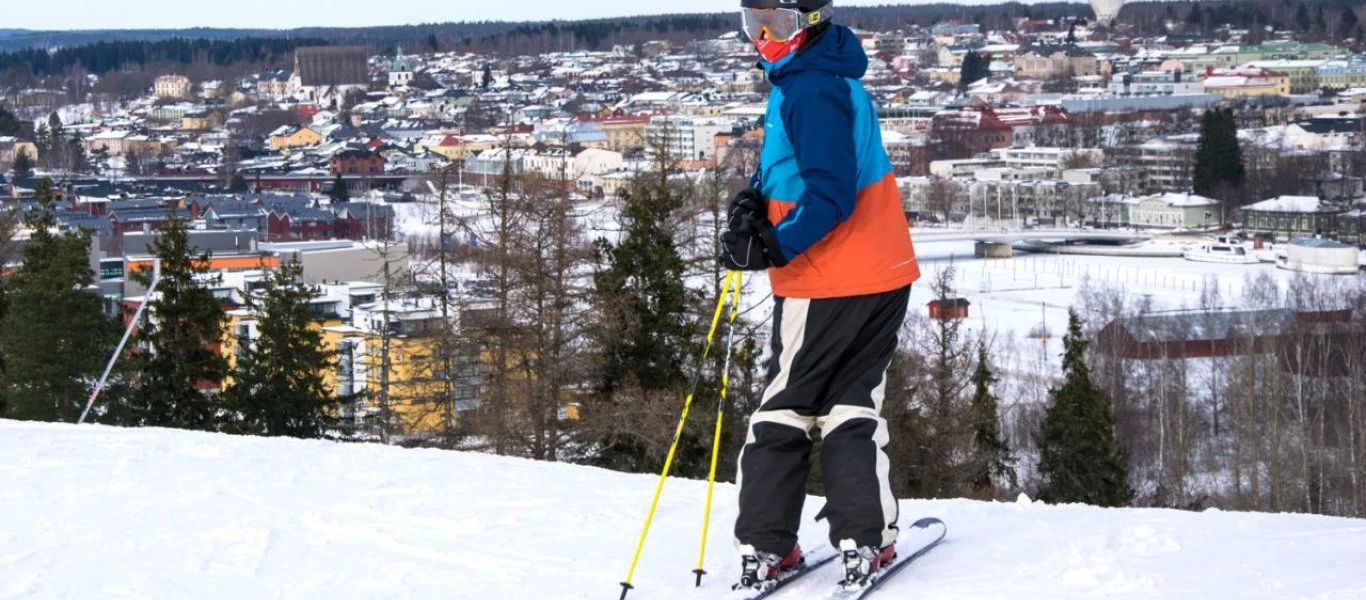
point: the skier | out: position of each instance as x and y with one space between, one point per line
823 215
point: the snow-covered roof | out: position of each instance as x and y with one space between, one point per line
1177 200
1295 204
1318 243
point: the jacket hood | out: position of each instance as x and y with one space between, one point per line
838 52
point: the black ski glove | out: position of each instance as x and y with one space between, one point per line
746 202
750 245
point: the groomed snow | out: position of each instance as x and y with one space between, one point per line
97 512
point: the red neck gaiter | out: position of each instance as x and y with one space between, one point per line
775 51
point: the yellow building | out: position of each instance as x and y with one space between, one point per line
1245 83
1304 74
413 388
624 132
10 148
415 385
458 148
422 394
201 121
172 86
1068 62
293 136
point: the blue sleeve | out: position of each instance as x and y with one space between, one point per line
819 120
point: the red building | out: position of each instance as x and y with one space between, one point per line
356 162
953 309
975 129
1212 334
301 225
354 222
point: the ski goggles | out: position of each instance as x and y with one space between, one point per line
780 24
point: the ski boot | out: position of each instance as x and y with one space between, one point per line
761 570
861 563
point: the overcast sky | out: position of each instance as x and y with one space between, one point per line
285 14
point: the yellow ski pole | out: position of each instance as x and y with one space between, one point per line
716 439
626 586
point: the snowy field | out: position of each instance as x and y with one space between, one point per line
1011 297
95 512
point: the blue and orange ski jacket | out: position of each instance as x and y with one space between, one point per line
833 198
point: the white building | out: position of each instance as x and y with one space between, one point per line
962 167
555 162
400 70
1055 158
687 138
1168 162
1155 83
1172 211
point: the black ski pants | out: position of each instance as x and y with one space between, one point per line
828 370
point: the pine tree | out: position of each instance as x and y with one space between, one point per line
100 159
238 184
80 160
644 334
1196 17
132 164
178 357
1302 22
23 165
1347 23
339 194
1080 460
1219 168
278 387
976 67
9 126
993 461
54 330
487 79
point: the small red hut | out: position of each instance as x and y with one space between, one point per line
949 310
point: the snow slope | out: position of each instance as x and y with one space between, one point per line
97 512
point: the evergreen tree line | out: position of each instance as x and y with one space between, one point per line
101 58
1319 20
104 52
56 337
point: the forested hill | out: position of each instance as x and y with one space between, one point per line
592 34
1140 18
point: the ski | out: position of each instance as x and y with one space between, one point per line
811 561
900 563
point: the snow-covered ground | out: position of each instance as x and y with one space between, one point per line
97 512
1013 296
